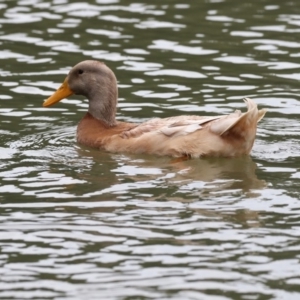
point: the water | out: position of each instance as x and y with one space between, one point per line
78 223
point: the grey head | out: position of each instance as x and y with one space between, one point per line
94 80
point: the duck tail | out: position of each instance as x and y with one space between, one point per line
240 125
261 114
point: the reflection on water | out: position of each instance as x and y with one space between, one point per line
77 222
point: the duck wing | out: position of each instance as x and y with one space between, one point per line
236 123
171 127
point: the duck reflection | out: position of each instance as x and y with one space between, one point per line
212 188
185 178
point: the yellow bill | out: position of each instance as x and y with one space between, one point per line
62 92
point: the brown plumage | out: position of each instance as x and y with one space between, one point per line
192 136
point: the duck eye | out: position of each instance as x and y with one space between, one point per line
80 71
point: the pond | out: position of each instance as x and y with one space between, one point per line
79 223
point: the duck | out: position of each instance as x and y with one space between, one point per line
189 136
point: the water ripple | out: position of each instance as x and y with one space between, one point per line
81 223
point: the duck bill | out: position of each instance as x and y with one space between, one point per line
62 92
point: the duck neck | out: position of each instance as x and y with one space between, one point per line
103 103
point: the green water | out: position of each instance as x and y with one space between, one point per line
78 223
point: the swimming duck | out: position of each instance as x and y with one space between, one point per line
179 136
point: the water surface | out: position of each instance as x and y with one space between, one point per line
78 223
